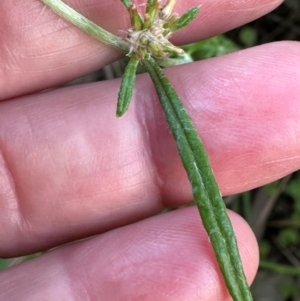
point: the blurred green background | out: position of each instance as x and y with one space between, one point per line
273 211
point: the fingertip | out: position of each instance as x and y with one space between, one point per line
166 257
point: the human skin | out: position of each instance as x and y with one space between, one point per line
70 169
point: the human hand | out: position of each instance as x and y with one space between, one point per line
70 169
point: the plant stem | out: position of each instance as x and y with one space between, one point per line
279 268
205 189
86 25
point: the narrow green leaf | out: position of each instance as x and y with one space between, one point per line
127 3
205 189
127 84
186 18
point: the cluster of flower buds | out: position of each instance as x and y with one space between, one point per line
148 35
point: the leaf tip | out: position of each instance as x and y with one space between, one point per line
120 113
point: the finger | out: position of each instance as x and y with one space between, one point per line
71 169
166 257
39 49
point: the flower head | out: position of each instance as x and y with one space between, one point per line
148 35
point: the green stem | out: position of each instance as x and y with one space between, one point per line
86 25
280 268
205 189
